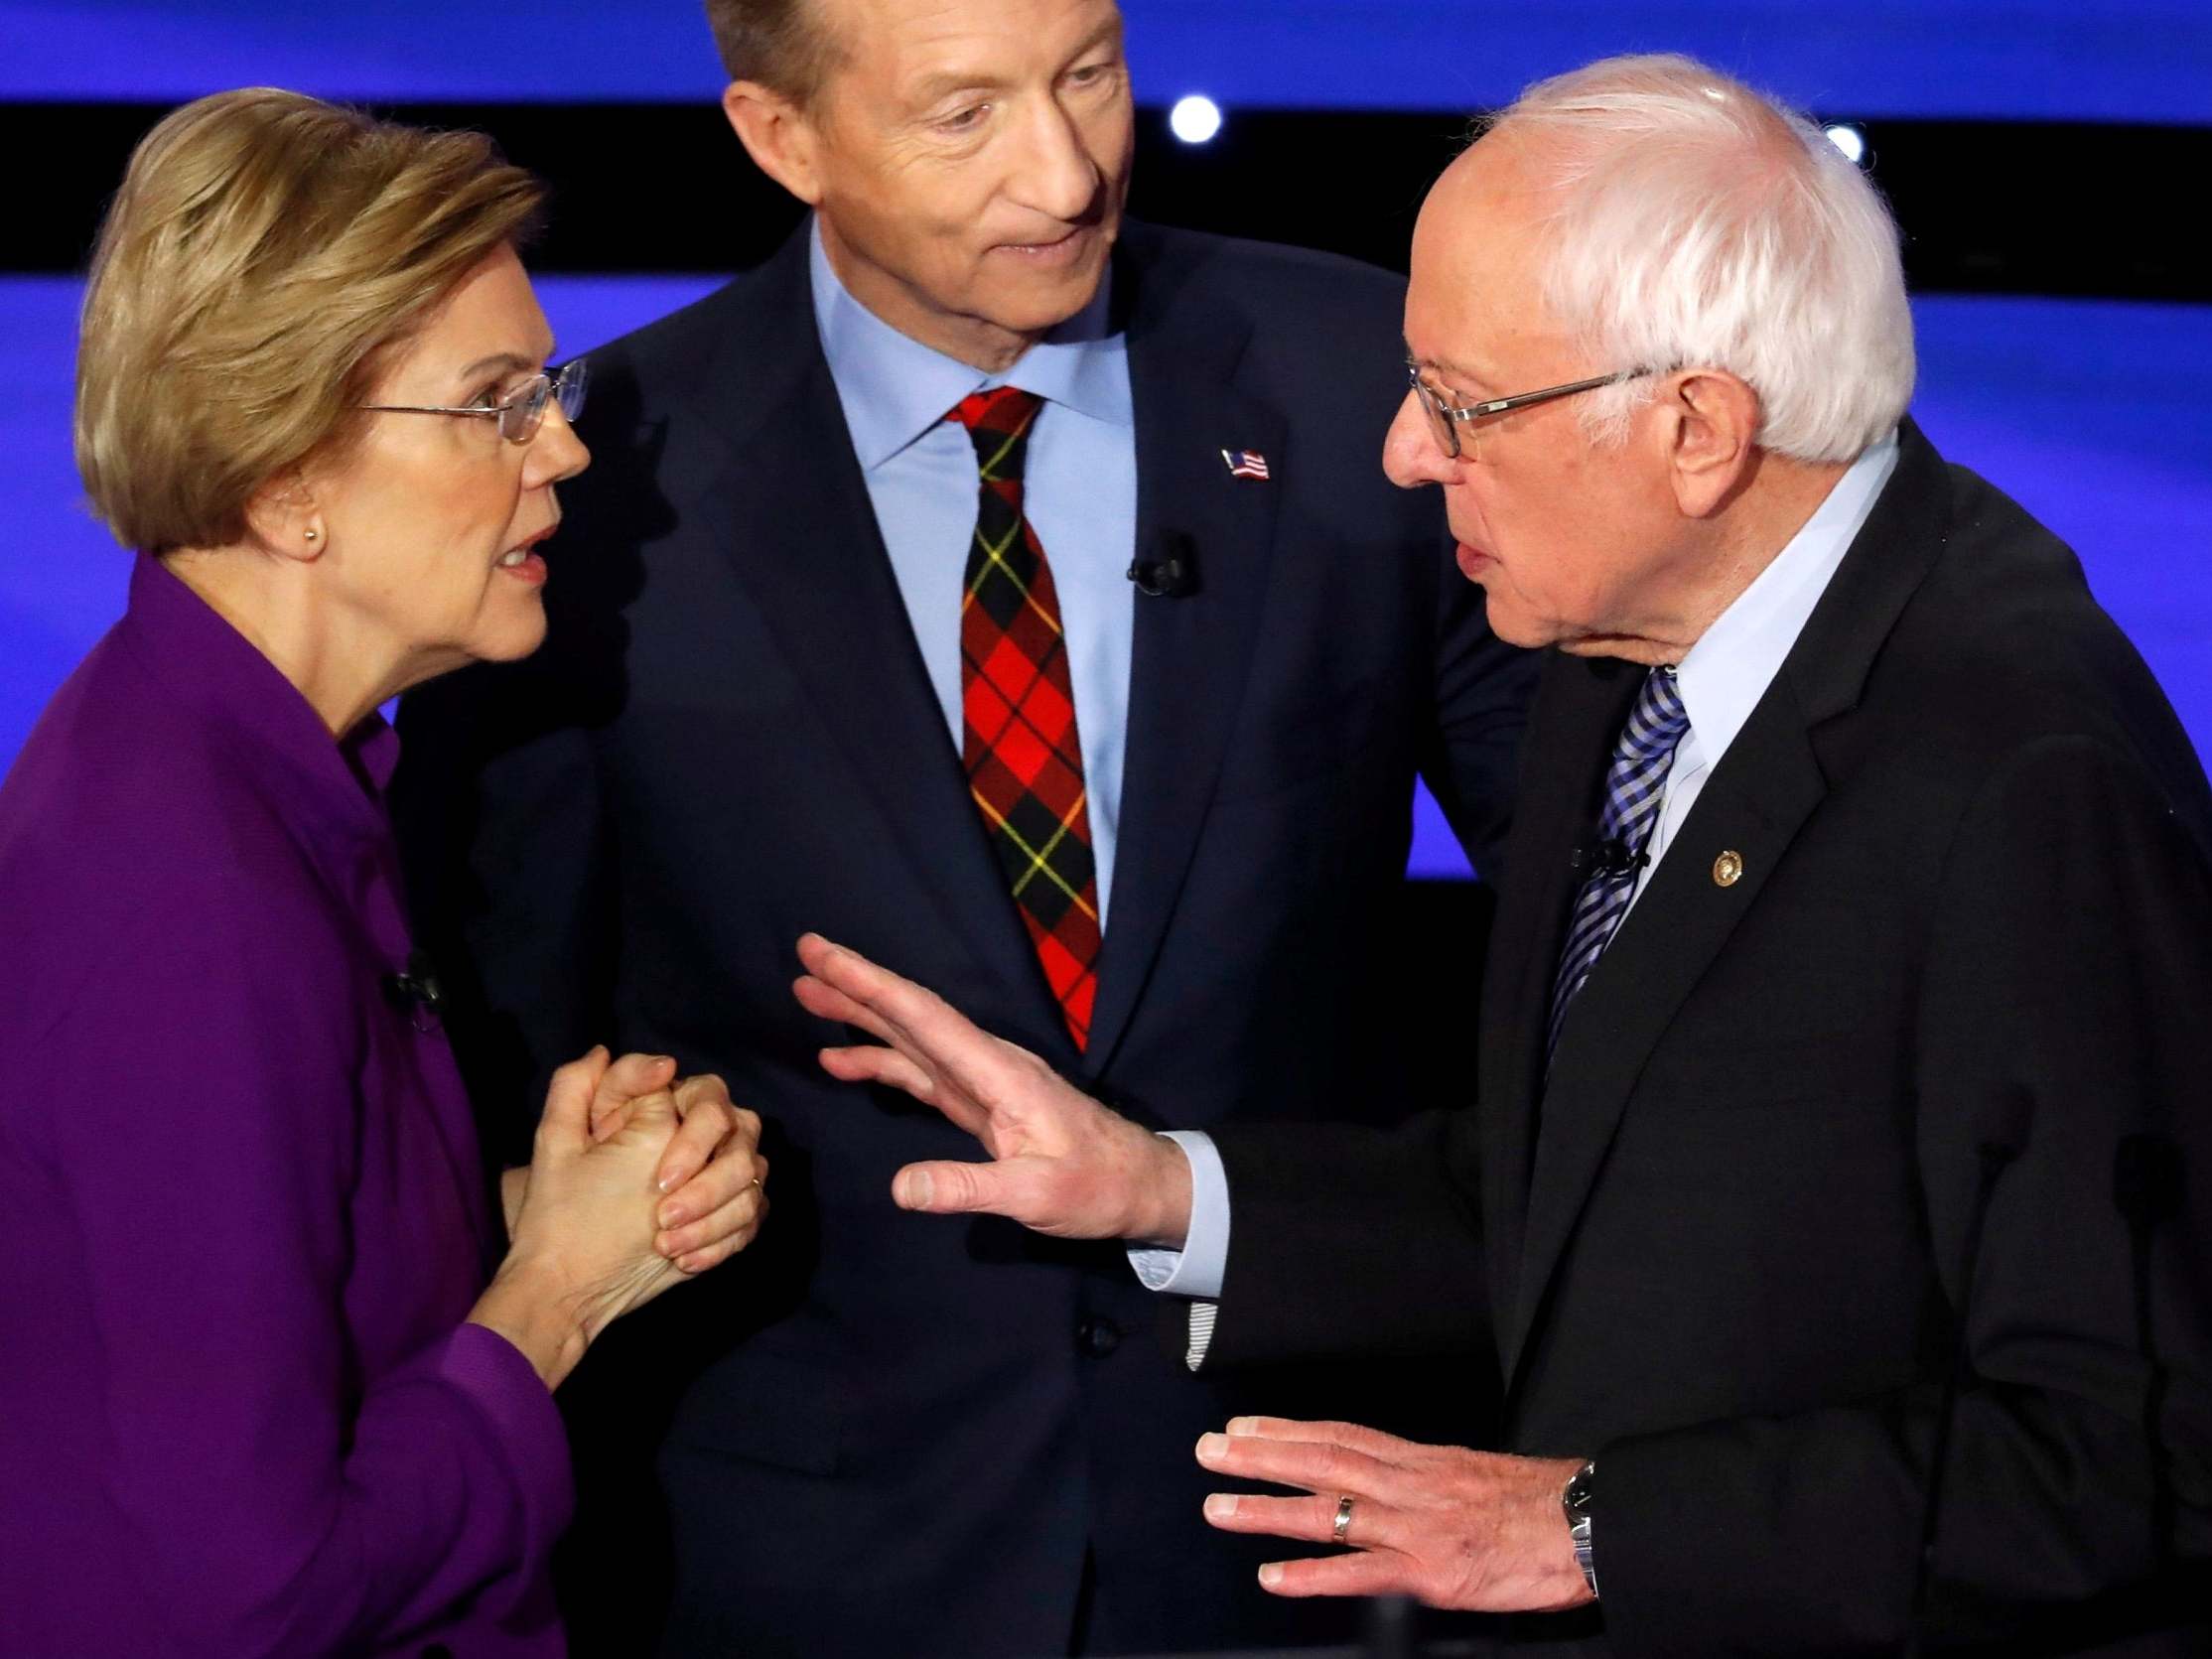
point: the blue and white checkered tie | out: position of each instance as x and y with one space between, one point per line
1634 783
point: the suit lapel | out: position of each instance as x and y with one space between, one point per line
782 496
1191 654
1754 805
1579 708
1756 802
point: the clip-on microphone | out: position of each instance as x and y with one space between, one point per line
1610 857
414 991
1172 573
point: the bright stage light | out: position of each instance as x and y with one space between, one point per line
1194 119
1850 140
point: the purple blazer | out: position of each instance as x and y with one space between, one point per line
241 1212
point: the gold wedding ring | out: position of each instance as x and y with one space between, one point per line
1343 1519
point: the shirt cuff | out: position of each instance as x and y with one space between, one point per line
1195 1270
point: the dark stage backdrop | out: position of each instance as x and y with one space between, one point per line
2043 159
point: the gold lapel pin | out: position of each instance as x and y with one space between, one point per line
1728 869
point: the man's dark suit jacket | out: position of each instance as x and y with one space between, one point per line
1722 1246
899 1434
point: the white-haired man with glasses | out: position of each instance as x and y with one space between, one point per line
1835 1193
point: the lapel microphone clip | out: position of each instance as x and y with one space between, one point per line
1611 856
414 991
1172 573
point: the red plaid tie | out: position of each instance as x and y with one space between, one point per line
1025 763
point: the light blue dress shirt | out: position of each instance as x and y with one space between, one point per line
1721 680
1079 492
1728 669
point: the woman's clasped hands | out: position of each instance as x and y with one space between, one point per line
636 1181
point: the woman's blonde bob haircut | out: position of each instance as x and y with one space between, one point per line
264 254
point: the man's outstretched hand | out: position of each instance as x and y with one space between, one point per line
1060 1162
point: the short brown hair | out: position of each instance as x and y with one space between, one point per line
264 253
784 45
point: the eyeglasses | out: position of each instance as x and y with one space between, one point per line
1445 419
522 410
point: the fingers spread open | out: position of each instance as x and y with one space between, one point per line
877 993
998 1080
908 1015
863 1062
828 1002
899 1064
866 1064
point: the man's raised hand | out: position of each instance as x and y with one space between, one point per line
1060 1162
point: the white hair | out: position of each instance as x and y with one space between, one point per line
1695 223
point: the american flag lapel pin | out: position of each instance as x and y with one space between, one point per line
1245 464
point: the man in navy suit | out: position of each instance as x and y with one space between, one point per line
1010 589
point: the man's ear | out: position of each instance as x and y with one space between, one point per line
1713 439
287 520
779 136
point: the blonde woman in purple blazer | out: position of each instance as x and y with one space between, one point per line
256 1395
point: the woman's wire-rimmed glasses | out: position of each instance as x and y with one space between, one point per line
522 412
1445 419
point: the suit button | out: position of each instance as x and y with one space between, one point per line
1097 1337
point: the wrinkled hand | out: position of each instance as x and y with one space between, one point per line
1062 1163
615 1085
588 1243
586 1219
713 1173
1472 1530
